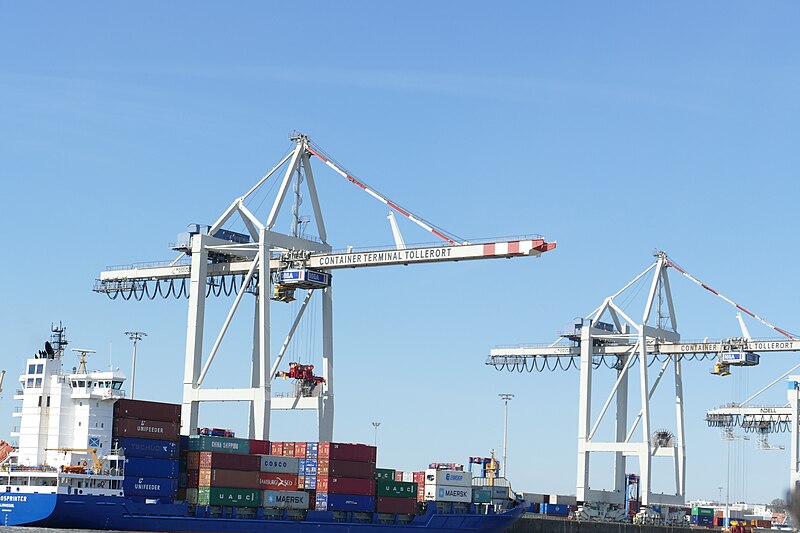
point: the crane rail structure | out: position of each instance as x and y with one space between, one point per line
611 338
272 266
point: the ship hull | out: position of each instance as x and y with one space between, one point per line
115 513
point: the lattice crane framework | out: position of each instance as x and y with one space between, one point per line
222 261
610 336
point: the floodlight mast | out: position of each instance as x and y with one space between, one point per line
261 265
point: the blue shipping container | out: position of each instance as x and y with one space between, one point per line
301 467
158 449
142 466
311 482
350 502
554 509
150 487
312 449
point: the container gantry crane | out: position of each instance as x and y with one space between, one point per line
609 337
222 261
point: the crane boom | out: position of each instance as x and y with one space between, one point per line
530 246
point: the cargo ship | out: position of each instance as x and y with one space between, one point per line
87 457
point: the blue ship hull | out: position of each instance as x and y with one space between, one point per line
101 512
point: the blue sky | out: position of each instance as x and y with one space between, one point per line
615 129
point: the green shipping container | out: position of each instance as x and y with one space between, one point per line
481 495
202 443
397 489
386 474
702 511
228 497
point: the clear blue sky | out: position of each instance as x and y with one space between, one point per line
615 129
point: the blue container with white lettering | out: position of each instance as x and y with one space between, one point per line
310 467
150 487
554 509
311 482
312 450
351 502
157 449
301 467
142 466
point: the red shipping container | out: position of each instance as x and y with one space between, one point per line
145 429
192 478
398 476
164 412
270 481
389 504
347 452
346 485
288 449
230 479
192 460
229 461
299 450
338 468
301 482
419 478
276 448
259 447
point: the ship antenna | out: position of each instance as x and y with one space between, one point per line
82 364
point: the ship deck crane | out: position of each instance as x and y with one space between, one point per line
214 261
97 463
609 337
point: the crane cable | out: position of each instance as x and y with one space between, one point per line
786 334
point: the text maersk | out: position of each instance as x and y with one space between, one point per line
452 493
385 257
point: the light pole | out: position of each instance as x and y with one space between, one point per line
375 425
505 397
135 336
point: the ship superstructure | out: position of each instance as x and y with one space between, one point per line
64 431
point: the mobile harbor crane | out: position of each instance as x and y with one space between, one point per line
272 266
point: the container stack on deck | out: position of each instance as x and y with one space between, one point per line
148 432
444 485
702 516
345 477
396 492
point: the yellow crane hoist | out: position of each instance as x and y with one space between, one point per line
97 463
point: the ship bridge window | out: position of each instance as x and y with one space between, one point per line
81 384
101 384
29 382
38 382
31 369
116 385
88 383
39 369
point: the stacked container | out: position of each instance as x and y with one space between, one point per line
702 516
391 496
448 486
345 478
148 432
221 471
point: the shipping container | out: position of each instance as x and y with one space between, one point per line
192 460
310 482
312 450
481 494
301 466
259 447
228 461
191 495
702 511
278 464
341 468
565 500
228 497
386 474
143 466
157 449
276 481
281 499
398 489
448 493
452 478
398 476
192 478
149 487
165 412
408 477
554 509
288 449
202 443
276 448
344 502
300 450
145 429
347 452
346 485
388 504
418 478
231 479
310 467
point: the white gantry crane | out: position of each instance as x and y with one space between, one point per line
609 337
272 266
